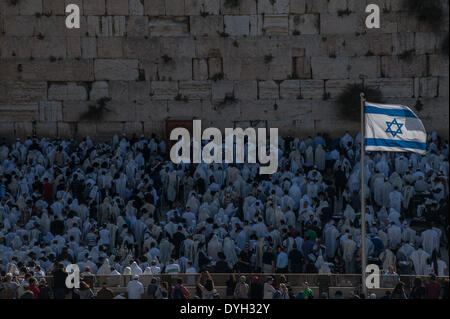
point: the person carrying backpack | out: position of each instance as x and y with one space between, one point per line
178 291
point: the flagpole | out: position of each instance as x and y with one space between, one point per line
363 198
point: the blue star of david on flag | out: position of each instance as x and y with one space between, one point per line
394 132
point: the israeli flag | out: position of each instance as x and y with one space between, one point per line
393 128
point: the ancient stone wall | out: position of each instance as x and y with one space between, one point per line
279 63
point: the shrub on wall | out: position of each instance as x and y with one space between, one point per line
96 112
349 100
427 11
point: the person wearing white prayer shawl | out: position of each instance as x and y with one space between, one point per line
165 248
430 241
331 235
214 247
394 217
419 259
408 234
349 249
388 259
395 200
309 156
319 158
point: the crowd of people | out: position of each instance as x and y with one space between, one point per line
122 207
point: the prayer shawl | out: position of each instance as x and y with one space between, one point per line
419 259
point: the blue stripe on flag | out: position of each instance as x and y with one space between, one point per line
395 143
390 112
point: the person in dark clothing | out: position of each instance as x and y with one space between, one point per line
256 290
399 291
203 259
57 227
44 289
244 260
433 288
418 291
59 282
222 266
177 239
268 260
295 259
105 292
340 180
152 288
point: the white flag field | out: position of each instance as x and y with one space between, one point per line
393 128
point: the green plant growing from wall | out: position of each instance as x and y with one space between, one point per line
406 55
40 36
180 97
231 3
342 12
419 105
97 111
166 59
349 101
13 2
427 11
268 58
217 77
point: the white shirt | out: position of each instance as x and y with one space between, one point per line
135 289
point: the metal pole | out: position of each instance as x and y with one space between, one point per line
363 199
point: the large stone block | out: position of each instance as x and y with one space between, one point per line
53 6
246 90
117 7
116 69
329 68
47 129
311 89
94 7
222 89
304 24
136 7
30 7
138 90
364 67
276 24
136 47
22 91
273 7
183 109
118 90
297 6
199 69
268 90
154 7
302 67
20 26
73 47
438 65
64 70
137 26
214 67
50 111
248 7
99 89
174 7
335 87
88 47
290 89
206 26
314 6
237 25
195 90
429 87
109 47
393 88
67 92
176 69
163 90
396 67
177 26
334 24
402 42
10 112
151 110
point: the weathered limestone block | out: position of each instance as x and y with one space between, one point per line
178 47
364 67
54 26
402 42
120 111
220 113
93 26
19 26
16 47
276 24
196 90
429 87
335 87
136 7
206 26
73 47
229 7
381 44
329 68
280 68
116 69
183 109
177 69
23 129
304 24
335 5
314 6
443 86
54 6
237 25
64 70
246 90
30 7
177 26
10 112
67 92
147 110
311 89
174 7
214 66
150 68
109 47
297 6
94 7
22 91
137 26
7 9
89 47
395 67
438 65
99 89
427 43
248 7
268 90
138 90
273 7
193 7
137 47
393 88
221 89
118 90
154 7
48 129
199 69
50 111
163 90
256 25
290 89
106 130
117 7
333 24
